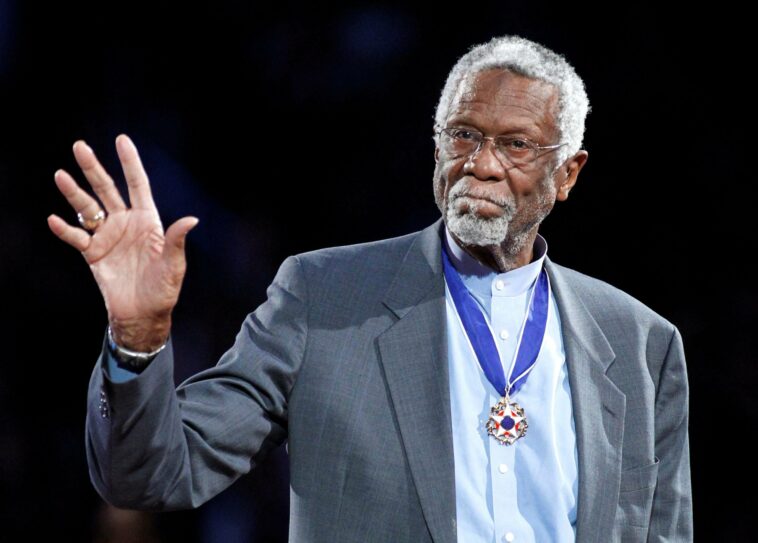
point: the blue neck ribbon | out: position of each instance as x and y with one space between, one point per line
480 334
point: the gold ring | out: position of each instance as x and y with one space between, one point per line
91 224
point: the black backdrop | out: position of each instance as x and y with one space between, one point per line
303 126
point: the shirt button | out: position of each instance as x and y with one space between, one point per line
499 284
502 468
508 537
504 334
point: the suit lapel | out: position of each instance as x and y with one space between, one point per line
599 408
413 353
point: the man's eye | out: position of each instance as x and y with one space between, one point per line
465 135
515 144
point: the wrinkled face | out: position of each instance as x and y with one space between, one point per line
484 201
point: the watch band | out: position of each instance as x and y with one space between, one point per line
132 360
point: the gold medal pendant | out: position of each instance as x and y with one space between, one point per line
507 421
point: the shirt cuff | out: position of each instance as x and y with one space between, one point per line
116 373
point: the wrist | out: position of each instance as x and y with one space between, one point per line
140 335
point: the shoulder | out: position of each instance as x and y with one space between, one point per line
347 273
639 336
357 256
611 306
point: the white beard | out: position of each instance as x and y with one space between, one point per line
471 228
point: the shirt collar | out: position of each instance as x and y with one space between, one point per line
485 281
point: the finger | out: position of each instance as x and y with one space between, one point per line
76 237
98 178
136 179
176 236
80 200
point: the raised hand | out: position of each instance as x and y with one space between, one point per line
138 268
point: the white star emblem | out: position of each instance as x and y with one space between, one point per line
507 422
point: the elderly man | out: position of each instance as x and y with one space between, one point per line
453 384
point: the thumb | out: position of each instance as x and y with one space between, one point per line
176 236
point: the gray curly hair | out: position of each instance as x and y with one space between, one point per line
528 59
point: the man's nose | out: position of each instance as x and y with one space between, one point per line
484 163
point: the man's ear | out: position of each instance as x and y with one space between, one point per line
568 173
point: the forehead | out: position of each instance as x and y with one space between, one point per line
501 101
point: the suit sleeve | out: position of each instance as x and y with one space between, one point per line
671 519
152 447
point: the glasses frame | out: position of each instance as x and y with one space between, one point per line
534 147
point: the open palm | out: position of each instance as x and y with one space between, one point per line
138 268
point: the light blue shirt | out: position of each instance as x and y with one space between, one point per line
525 492
116 373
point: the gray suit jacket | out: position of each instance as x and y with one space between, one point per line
347 360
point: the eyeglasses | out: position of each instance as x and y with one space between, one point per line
458 142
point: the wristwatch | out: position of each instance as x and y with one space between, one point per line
131 360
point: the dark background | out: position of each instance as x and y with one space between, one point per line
302 126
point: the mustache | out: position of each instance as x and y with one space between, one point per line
502 202
462 190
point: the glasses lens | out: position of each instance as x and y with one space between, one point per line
516 151
459 142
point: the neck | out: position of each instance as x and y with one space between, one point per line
504 257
